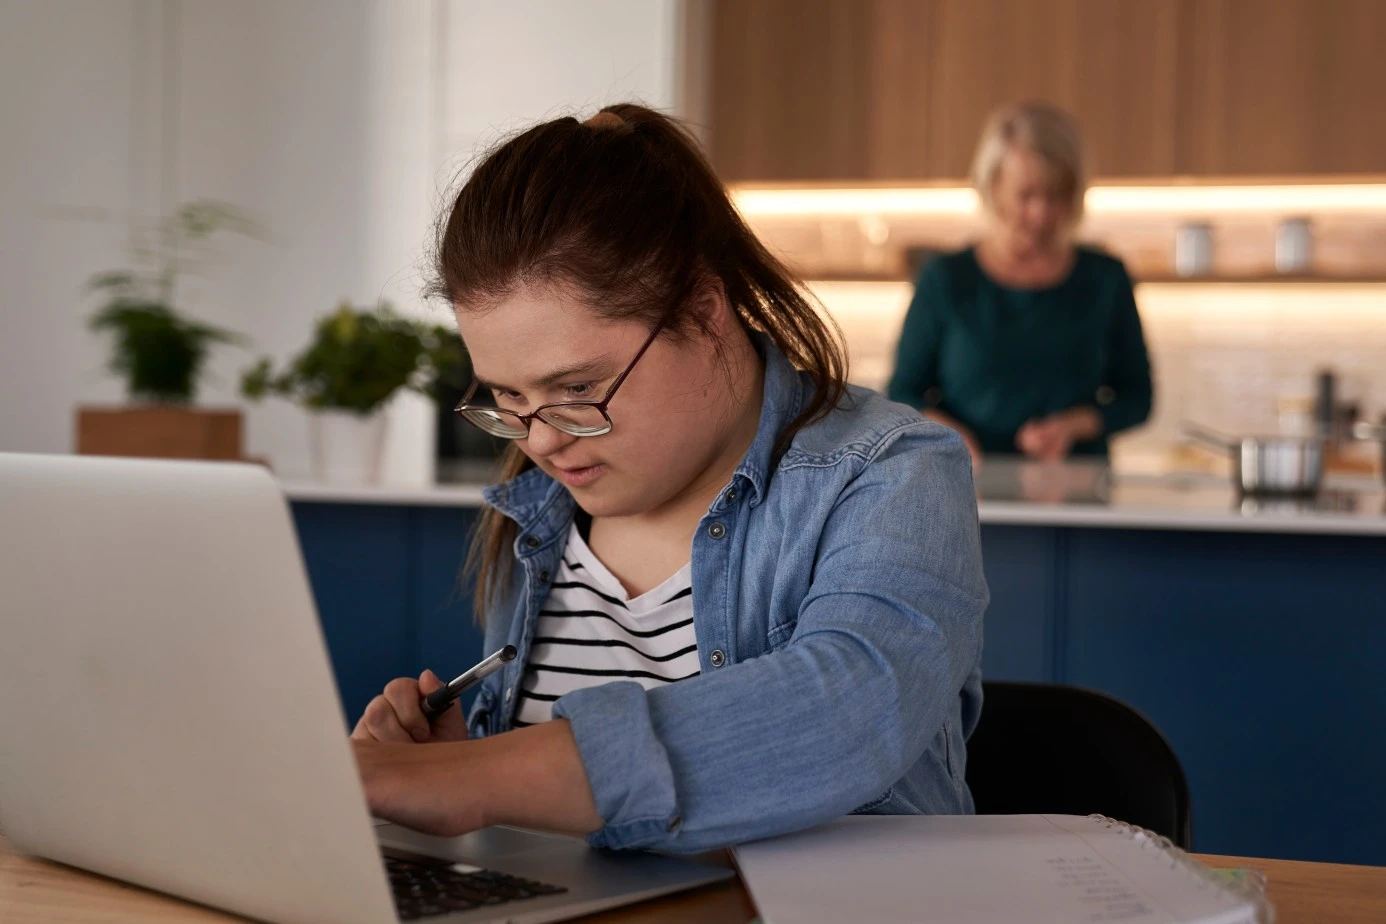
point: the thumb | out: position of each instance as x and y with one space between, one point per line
450 724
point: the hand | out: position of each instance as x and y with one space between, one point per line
431 789
1051 438
397 716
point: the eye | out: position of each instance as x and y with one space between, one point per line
500 395
579 390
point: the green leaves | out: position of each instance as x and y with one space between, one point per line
358 359
157 353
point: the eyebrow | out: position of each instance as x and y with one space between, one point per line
582 368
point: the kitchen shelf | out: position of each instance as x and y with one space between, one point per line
1258 279
1154 279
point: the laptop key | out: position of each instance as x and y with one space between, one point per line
425 889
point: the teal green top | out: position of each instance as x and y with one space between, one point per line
994 357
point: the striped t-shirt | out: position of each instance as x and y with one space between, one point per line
589 632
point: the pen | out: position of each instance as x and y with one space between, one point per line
440 699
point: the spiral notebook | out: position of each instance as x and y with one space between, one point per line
980 869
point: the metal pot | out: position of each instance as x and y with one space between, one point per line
1373 433
1268 465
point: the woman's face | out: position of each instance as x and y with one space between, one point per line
1031 205
544 345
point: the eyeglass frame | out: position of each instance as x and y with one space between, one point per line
528 419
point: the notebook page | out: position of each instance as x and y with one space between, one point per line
976 869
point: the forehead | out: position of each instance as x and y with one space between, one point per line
535 330
1022 166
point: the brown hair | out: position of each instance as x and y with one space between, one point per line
625 208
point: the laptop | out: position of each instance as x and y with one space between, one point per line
168 717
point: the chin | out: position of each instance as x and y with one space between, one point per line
597 503
600 501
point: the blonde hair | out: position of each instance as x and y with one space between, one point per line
1039 127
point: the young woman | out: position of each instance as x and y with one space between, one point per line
747 598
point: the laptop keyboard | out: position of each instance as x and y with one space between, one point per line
424 887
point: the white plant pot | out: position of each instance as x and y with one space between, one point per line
346 448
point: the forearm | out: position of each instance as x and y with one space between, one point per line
534 778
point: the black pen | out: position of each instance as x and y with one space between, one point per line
437 702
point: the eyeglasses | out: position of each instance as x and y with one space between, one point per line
575 418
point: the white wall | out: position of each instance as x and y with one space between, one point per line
511 64
338 124
70 170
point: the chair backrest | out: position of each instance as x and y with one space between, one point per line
1049 748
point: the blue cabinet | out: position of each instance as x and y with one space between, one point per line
388 587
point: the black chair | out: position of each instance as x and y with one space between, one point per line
1049 748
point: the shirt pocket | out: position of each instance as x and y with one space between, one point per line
780 635
479 723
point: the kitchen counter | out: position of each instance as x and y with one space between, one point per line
1070 494
1084 494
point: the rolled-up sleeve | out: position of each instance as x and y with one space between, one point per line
886 637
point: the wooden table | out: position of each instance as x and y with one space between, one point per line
34 891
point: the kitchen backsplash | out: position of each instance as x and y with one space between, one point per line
1222 352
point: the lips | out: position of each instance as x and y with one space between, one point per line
575 476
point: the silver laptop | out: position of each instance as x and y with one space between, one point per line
168 716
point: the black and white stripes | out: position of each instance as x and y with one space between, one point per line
590 633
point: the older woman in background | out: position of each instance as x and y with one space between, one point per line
1025 342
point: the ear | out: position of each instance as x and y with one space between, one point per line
711 307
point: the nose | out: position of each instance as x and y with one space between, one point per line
545 440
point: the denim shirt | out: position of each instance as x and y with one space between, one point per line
837 598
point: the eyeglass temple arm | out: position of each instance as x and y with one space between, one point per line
649 341
471 390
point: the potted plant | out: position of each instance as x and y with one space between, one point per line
159 353
356 362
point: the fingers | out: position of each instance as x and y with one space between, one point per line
396 714
450 724
379 723
403 696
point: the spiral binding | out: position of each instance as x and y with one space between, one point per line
1253 889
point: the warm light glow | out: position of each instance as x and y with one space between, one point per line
926 201
1101 200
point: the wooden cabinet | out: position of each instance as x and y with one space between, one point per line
1110 63
899 89
1283 86
790 91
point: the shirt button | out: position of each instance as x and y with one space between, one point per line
717 659
731 496
717 530
531 542
543 577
